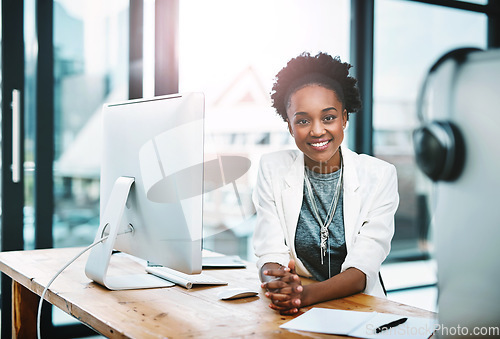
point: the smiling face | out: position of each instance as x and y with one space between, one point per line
316 120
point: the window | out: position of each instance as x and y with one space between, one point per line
90 68
231 50
408 38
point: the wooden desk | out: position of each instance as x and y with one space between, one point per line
173 312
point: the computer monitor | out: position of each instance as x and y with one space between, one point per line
151 187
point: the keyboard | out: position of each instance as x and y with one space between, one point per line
183 279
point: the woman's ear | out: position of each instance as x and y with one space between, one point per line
344 118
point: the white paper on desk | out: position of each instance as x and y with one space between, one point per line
360 324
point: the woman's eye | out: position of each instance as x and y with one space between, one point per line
330 117
301 122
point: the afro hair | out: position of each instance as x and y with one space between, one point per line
304 65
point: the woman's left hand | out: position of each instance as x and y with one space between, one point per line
285 290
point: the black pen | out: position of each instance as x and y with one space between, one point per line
390 325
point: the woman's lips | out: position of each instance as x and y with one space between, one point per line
320 145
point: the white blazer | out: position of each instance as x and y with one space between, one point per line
370 202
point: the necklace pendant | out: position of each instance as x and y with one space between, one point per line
323 245
323 253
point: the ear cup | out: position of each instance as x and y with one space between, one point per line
440 150
439 145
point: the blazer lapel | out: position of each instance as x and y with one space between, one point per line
352 200
291 197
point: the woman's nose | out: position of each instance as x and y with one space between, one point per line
317 129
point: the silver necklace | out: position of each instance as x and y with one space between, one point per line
324 225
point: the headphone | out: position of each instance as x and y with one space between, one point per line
439 145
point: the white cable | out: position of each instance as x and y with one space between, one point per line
38 316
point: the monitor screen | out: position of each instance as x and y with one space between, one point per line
152 184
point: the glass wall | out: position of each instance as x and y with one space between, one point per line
409 37
231 50
90 68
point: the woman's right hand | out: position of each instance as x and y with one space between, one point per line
283 287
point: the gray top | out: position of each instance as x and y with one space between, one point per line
307 236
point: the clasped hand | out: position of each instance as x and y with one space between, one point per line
285 290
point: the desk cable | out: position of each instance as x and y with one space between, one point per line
39 312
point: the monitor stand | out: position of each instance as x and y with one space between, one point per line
100 255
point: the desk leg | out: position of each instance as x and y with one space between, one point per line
24 308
